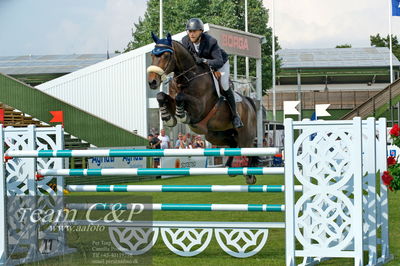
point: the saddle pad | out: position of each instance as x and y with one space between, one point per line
216 83
238 97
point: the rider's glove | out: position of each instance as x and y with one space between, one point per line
201 60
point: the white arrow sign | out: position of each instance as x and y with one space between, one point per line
289 107
320 110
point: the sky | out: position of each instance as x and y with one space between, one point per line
327 23
41 27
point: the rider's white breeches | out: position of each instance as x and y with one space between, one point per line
225 76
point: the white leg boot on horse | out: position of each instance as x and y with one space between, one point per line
169 120
166 104
180 113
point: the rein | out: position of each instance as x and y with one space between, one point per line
189 70
161 72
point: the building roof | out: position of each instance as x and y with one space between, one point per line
336 57
46 64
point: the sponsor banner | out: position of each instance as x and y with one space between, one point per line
235 42
117 162
183 162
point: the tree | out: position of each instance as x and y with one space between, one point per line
225 13
346 45
378 41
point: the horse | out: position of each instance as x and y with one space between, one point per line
193 99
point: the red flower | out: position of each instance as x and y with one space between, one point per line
395 130
391 160
387 179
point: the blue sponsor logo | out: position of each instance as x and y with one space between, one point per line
99 160
127 160
392 153
130 159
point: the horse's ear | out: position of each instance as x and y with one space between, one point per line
169 38
155 38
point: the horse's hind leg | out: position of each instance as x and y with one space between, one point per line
229 164
224 138
246 139
253 161
229 161
167 109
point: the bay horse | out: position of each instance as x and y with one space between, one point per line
193 99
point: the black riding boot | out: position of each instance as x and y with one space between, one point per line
237 123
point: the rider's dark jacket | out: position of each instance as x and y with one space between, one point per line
208 49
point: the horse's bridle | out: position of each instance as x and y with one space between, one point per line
158 70
161 72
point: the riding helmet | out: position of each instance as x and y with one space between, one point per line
194 24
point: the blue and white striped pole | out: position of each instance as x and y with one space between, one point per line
162 171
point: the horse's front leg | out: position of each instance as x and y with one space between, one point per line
181 114
167 109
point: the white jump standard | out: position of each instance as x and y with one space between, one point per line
334 164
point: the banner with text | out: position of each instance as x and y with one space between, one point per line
183 162
117 162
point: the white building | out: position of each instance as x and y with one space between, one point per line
116 89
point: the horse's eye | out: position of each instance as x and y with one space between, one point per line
165 55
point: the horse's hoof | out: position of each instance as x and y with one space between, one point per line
170 122
184 119
251 179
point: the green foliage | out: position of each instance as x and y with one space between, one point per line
395 173
378 41
346 45
224 13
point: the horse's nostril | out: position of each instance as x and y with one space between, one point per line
153 83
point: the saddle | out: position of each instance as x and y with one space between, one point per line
217 75
217 82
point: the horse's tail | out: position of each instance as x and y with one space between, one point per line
252 103
254 160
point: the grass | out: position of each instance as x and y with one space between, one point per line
273 252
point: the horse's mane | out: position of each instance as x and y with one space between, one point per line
183 47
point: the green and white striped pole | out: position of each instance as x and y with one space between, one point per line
137 207
179 188
144 152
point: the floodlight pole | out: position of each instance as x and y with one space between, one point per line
161 35
246 29
273 64
161 19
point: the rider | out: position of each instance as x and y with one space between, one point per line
207 51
